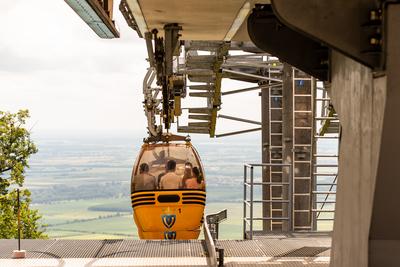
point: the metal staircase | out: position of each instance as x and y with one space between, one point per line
202 64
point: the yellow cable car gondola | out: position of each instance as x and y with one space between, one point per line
168 191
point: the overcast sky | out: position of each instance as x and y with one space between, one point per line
76 83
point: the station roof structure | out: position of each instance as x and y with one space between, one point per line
201 20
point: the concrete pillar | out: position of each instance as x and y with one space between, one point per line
367 218
359 100
384 233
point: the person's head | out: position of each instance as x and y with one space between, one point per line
188 169
171 166
197 174
143 168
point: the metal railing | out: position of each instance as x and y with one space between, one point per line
248 185
320 204
210 246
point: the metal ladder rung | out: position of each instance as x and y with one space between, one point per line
322 99
302 79
324 174
303 127
302 161
276 133
308 95
275 108
302 227
326 118
302 178
308 145
325 165
276 121
302 111
301 194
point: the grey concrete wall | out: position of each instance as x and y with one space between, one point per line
359 100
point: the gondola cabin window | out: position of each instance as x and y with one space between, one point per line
167 167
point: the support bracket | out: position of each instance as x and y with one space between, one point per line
355 28
269 34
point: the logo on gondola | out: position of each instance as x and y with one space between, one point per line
168 220
170 235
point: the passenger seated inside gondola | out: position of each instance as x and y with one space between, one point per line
144 180
196 180
171 180
187 173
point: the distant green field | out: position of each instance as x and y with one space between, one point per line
67 211
73 219
120 206
121 226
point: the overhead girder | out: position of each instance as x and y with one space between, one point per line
295 48
292 30
354 28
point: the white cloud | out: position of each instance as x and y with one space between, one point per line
72 81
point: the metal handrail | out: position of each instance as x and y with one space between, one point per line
210 246
248 221
326 197
269 201
268 183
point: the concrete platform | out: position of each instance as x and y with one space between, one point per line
268 251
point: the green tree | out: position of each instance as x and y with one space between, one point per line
16 147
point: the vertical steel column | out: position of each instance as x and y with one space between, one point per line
314 198
244 200
251 200
291 199
265 156
287 136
